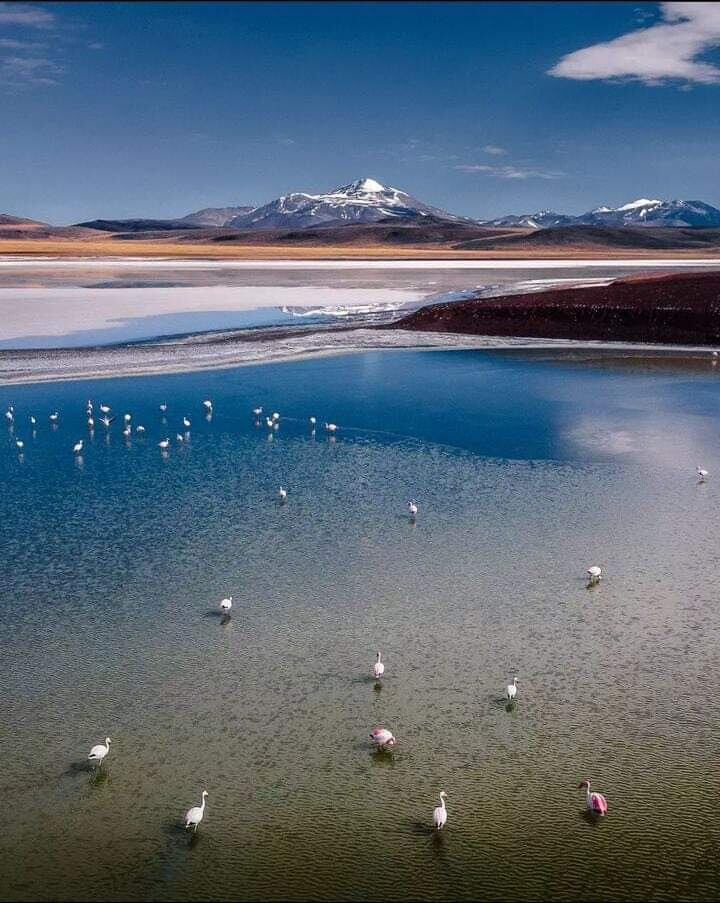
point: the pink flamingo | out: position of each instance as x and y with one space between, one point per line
596 802
382 738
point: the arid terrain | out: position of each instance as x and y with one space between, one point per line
677 308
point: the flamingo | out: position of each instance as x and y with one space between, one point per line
275 416
330 427
98 753
180 438
163 444
106 421
78 447
413 509
378 668
9 416
91 423
33 421
596 802
54 417
702 474
127 418
270 422
207 404
20 444
257 411
282 494
89 408
440 813
195 815
140 428
226 605
104 408
382 738
313 421
594 575
163 408
511 690
186 423
127 432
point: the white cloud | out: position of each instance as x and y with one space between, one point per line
667 50
25 14
509 172
494 150
18 71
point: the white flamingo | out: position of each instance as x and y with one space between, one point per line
104 408
140 428
20 444
282 494
595 802
331 427
702 474
106 421
54 417
440 813
78 447
194 816
186 423
257 411
413 509
207 404
33 421
594 575
9 416
127 432
378 668
382 738
91 423
127 418
163 408
180 438
275 416
98 753
226 605
313 421
511 689
163 444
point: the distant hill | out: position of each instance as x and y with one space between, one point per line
214 216
18 227
400 233
135 225
599 237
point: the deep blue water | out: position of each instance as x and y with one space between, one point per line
526 471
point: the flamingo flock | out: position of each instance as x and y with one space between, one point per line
382 738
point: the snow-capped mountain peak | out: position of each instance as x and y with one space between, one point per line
634 205
363 201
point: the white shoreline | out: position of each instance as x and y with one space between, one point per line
221 352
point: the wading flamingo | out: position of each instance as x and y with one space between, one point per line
226 605
702 474
194 816
98 753
378 668
382 738
595 802
440 812
511 689
594 575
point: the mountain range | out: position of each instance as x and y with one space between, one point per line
366 201
642 212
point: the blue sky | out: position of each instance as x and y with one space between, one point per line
114 109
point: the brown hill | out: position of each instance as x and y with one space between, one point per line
557 238
680 308
20 227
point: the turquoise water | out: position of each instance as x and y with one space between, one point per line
526 470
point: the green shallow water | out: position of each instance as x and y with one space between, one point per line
112 572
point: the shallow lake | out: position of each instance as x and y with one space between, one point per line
527 468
